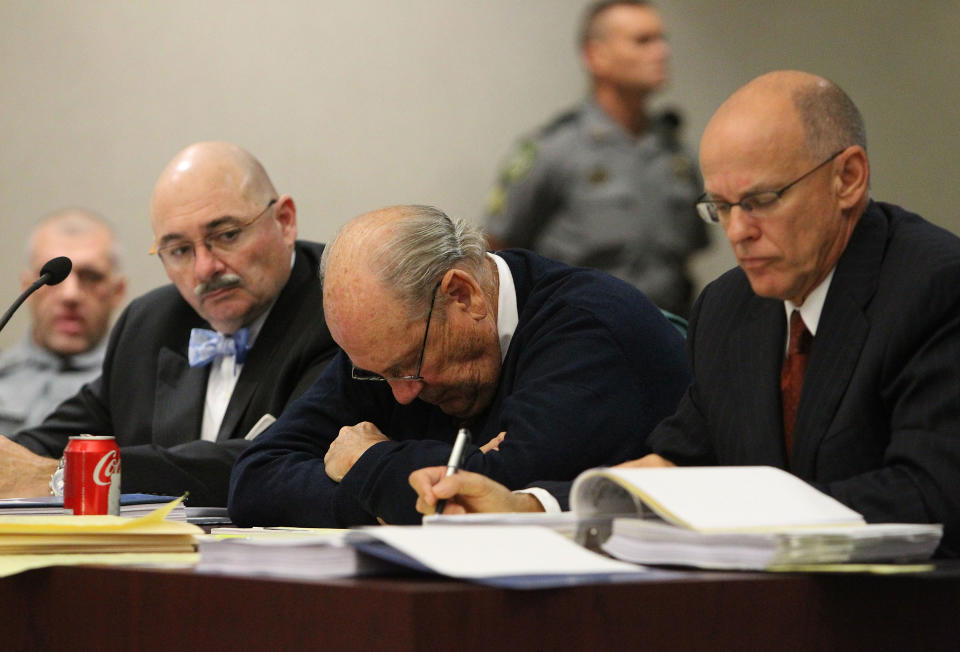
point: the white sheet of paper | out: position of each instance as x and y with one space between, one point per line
262 424
477 551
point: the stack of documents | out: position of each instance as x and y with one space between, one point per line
28 542
301 553
131 505
68 534
738 518
506 556
659 543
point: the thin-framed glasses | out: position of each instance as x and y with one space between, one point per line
753 204
179 253
362 374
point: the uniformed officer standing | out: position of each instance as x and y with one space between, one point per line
607 185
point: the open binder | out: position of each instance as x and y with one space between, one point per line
752 517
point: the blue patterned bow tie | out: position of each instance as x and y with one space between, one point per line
207 345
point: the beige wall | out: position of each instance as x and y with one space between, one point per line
351 106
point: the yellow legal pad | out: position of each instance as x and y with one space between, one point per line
66 534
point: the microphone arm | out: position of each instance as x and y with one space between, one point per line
54 271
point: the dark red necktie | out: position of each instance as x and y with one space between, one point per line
791 376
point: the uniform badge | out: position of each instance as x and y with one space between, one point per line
521 162
598 174
682 167
496 200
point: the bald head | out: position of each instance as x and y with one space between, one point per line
208 167
353 291
790 108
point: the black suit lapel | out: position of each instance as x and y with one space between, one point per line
833 358
760 357
841 334
180 394
238 406
260 364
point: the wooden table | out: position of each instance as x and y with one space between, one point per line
101 608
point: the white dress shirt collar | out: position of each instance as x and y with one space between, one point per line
507 314
813 306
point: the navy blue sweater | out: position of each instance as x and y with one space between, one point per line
592 367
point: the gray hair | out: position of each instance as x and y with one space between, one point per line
74 222
418 250
590 27
830 119
423 247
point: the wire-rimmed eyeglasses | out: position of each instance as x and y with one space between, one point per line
179 252
713 211
362 374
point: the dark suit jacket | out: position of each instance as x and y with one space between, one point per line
150 399
878 424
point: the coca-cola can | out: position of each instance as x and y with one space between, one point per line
91 475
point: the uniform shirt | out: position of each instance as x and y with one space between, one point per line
33 381
584 191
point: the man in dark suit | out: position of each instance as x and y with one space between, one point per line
181 399
875 419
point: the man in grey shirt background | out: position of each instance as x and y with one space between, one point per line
69 321
609 185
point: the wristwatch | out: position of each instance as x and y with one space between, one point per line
56 480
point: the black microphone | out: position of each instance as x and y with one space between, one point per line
53 271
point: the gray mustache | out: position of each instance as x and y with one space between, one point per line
218 283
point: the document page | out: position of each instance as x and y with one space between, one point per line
488 551
716 499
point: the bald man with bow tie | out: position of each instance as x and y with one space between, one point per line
195 369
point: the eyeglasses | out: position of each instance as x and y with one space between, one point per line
362 374
90 279
753 204
179 253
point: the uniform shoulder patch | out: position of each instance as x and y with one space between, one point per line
520 161
496 200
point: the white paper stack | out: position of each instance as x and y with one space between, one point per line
131 506
291 554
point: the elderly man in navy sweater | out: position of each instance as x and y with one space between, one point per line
555 369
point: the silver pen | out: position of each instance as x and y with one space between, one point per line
456 459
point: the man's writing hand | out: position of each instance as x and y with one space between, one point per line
466 492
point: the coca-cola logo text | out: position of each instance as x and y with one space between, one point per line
107 467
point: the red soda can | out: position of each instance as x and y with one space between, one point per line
91 475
